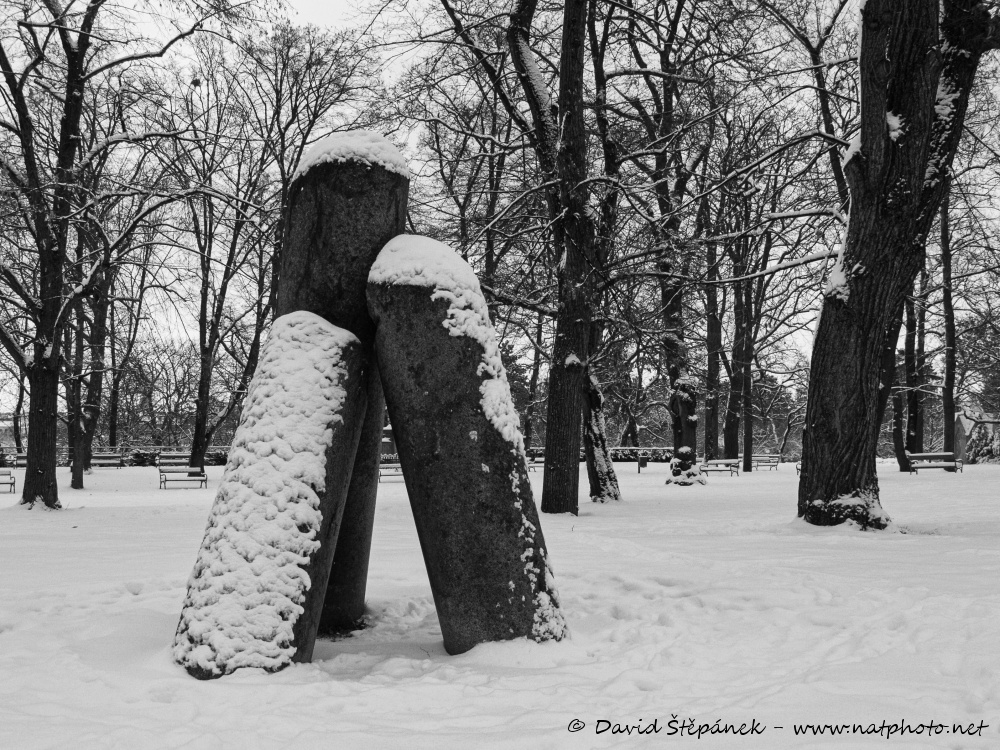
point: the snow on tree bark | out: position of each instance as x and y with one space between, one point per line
924 78
461 448
268 542
347 200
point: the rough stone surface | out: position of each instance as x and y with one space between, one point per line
466 478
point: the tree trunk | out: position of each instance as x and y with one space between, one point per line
536 366
571 351
896 181
74 399
713 342
737 374
890 364
199 438
747 396
912 378
43 419
113 392
91 403
18 410
600 468
898 442
948 311
921 363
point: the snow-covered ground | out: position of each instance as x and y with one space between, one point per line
695 603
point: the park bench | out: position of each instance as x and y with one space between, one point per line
173 467
182 474
107 459
389 466
732 465
7 478
770 461
920 461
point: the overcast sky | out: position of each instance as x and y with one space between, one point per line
322 12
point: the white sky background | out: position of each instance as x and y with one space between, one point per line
322 12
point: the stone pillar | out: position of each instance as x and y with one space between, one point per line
347 200
460 448
271 532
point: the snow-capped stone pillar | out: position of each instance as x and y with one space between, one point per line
347 199
460 448
272 528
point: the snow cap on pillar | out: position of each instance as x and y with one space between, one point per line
354 145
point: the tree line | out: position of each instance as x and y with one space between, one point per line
670 204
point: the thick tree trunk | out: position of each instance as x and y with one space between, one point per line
948 312
43 419
570 354
897 181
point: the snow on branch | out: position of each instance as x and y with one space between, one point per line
146 55
114 140
619 72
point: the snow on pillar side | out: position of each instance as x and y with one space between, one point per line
267 544
460 448
347 199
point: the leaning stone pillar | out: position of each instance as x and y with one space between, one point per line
460 448
347 200
271 532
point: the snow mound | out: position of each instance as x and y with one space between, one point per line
248 582
411 260
354 145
